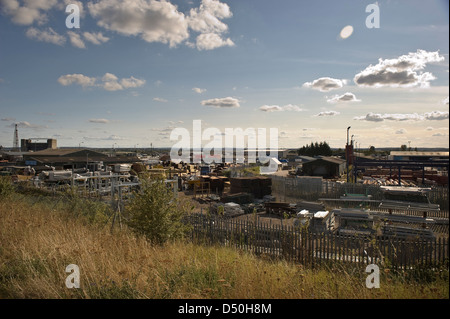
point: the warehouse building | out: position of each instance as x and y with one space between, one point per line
27 145
327 167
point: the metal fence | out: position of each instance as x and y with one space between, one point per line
312 249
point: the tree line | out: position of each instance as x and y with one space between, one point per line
315 149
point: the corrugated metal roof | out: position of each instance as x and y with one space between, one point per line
63 152
329 159
54 152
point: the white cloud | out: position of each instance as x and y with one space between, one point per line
445 101
165 129
95 38
49 36
206 18
101 121
153 21
25 124
159 99
328 113
32 11
207 21
401 131
436 115
283 135
404 71
164 133
440 135
8 119
277 108
131 82
108 138
109 77
190 44
376 117
271 108
199 90
113 138
325 84
79 79
75 40
173 122
346 97
210 41
227 102
109 81
160 21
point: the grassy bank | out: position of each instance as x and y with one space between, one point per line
39 239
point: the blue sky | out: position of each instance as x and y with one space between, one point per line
135 70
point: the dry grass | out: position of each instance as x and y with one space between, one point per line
38 242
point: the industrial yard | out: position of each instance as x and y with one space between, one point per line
407 200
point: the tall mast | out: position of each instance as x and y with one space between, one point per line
16 139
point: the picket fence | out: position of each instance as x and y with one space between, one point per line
299 245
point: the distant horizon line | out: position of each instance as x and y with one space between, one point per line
256 149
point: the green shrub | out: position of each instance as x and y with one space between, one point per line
155 212
6 187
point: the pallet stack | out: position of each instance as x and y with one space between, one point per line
216 183
257 186
239 198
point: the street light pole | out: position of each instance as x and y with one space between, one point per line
347 152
